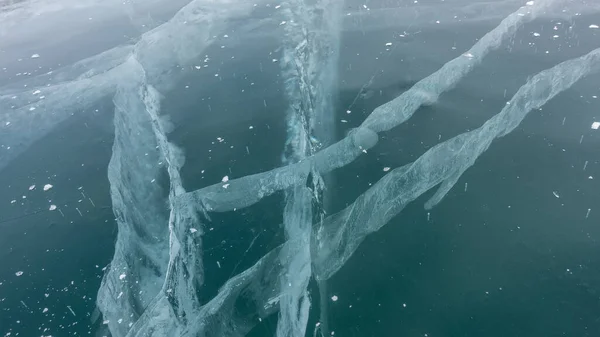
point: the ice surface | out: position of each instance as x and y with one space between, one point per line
154 282
278 282
174 44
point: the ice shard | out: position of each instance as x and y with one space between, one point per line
138 267
309 65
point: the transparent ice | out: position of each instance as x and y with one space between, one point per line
159 244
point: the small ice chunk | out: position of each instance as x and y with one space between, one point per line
555 194
193 230
225 179
334 298
282 23
122 276
34 56
536 34
385 169
594 26
529 3
32 187
7 123
468 55
13 201
52 207
595 125
198 67
47 187
32 108
388 44
226 185
19 273
36 92
278 6
45 310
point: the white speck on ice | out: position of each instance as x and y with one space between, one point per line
250 127
31 187
193 230
536 34
595 125
34 56
282 23
52 207
404 305
36 92
226 185
105 322
225 35
529 3
13 201
7 123
334 298
225 179
32 108
555 194
278 6
385 169
47 187
19 273
122 276
555 36
469 55
198 67
388 44
594 26
45 310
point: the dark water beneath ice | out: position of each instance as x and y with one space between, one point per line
511 251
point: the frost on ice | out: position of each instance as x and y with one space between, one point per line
154 284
